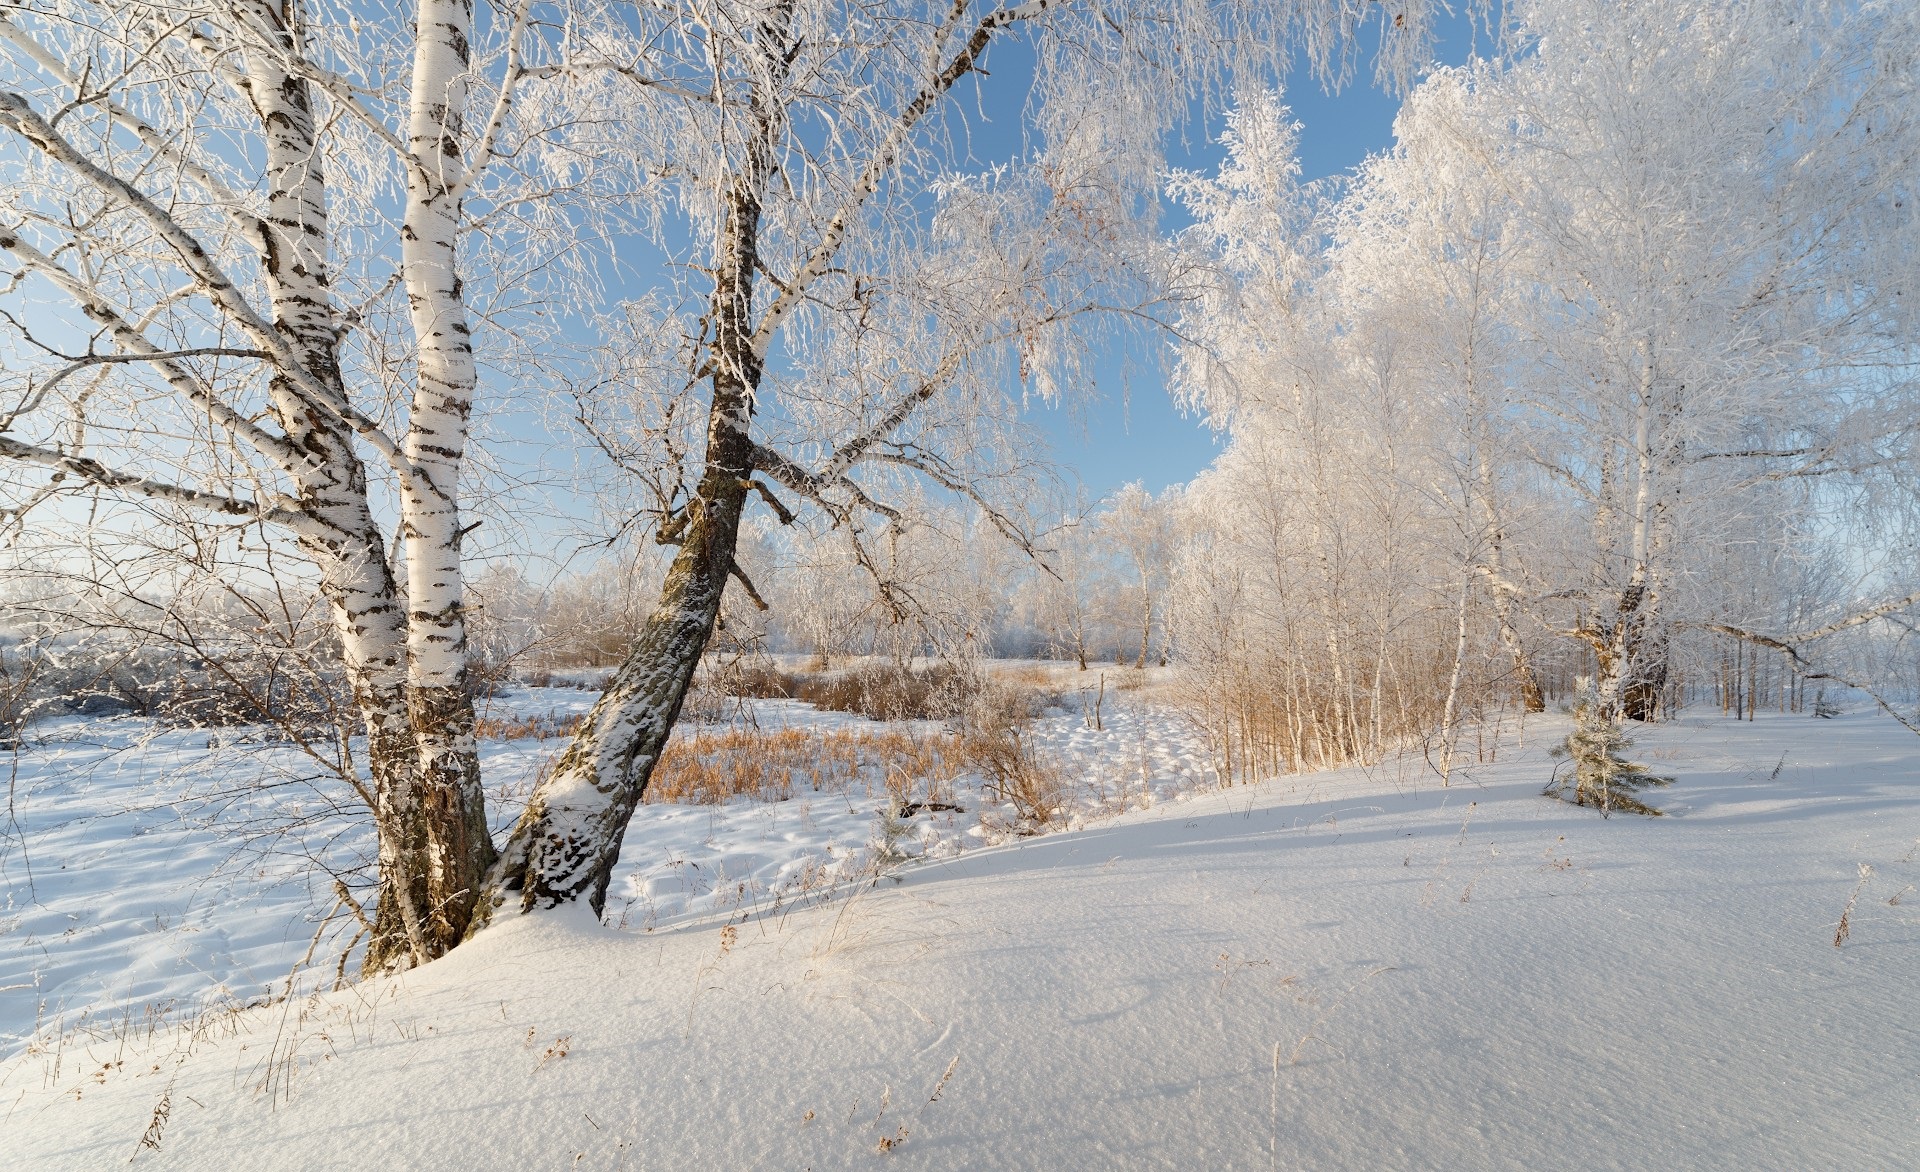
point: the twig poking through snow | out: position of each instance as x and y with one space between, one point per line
1846 914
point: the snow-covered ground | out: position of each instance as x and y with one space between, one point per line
130 891
1350 970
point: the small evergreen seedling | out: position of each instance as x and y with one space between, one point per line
891 825
1601 777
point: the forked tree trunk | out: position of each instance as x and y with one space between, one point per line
1641 691
1635 675
1532 699
437 811
1632 655
406 664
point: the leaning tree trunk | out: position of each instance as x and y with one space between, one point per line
566 843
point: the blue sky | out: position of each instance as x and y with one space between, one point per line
1127 429
1140 435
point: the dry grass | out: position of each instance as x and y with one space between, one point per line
1014 772
1269 714
772 765
1037 677
1846 913
551 725
888 691
878 690
711 760
754 680
891 691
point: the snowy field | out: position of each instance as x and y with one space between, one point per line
1349 970
129 892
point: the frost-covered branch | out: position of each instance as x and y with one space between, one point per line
96 473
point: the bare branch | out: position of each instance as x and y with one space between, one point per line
229 201
746 583
760 486
821 258
140 348
95 472
17 115
502 106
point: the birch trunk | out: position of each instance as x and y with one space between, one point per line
405 663
1531 697
336 526
434 808
1146 618
1453 680
1633 669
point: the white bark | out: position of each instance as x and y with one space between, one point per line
212 153
443 398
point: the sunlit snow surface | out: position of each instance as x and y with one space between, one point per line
145 871
1359 969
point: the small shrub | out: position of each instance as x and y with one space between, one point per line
521 728
1012 771
891 691
890 828
235 690
961 693
486 677
1034 677
705 706
999 704
1846 913
753 680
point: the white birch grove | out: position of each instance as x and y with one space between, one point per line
1617 315
866 292
1703 335
1064 599
1139 529
240 241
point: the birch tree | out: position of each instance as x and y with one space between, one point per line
863 296
1065 597
241 237
1139 530
1324 515
1682 175
1619 301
